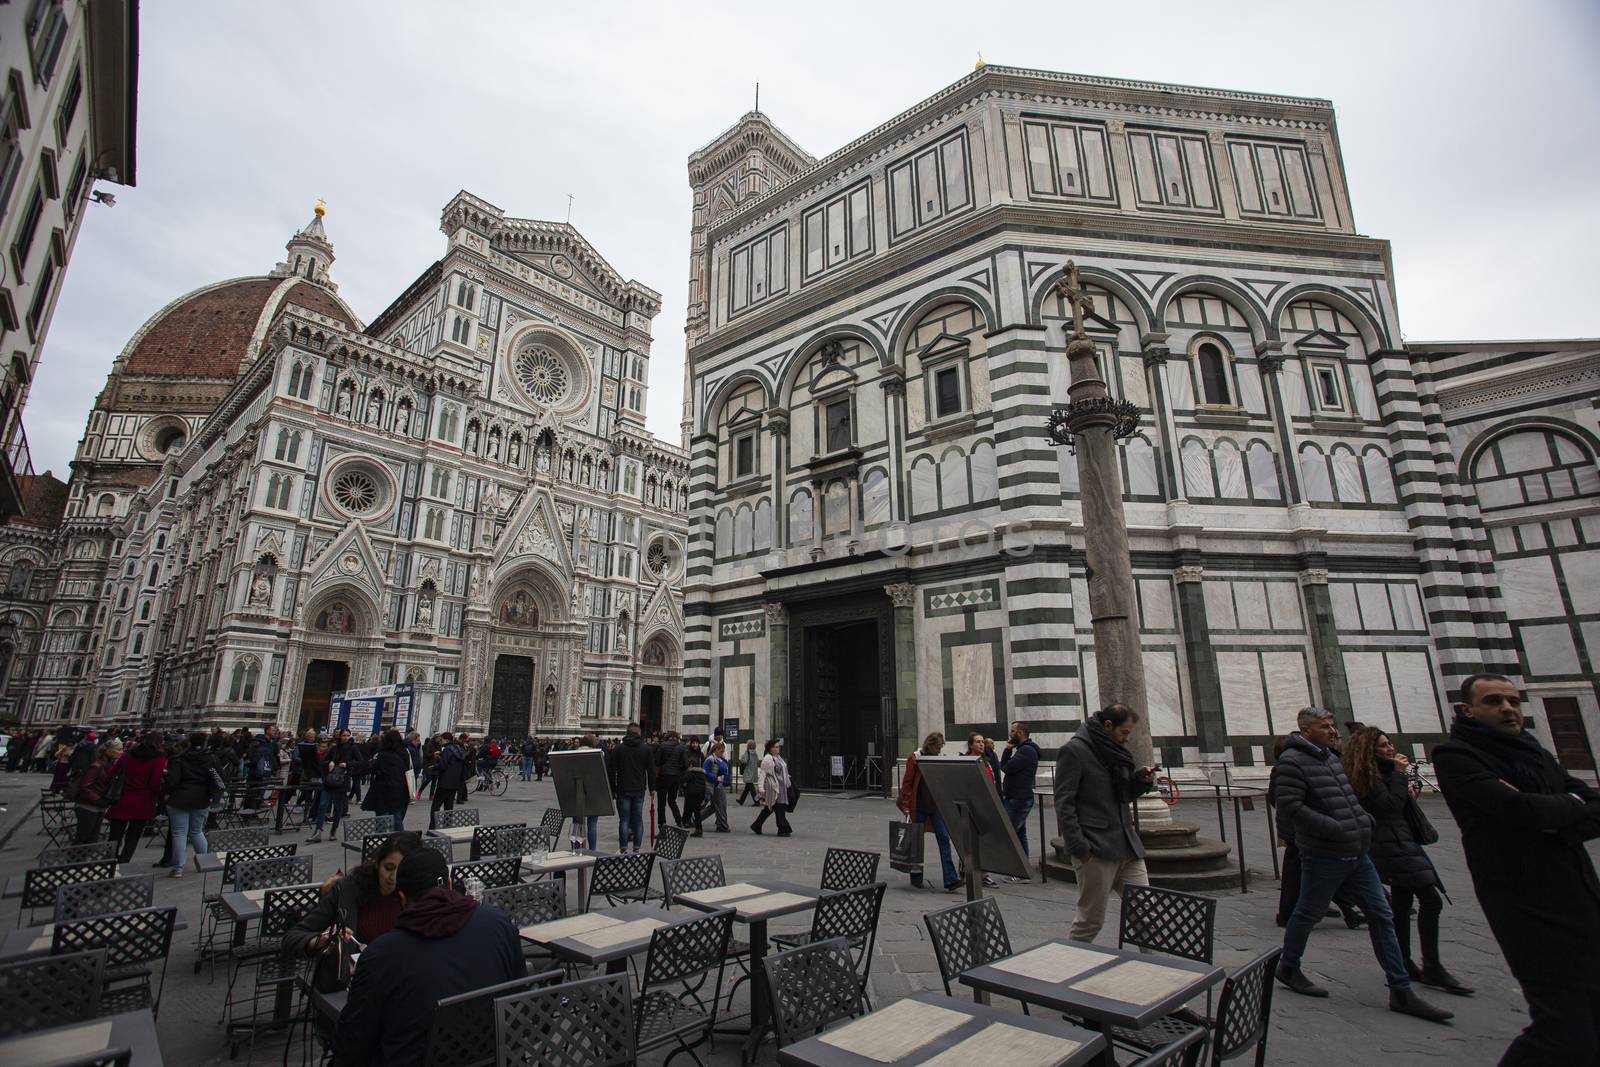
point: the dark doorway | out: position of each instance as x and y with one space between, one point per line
650 710
1567 735
324 677
511 704
840 711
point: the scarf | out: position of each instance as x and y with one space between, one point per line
1115 758
1520 754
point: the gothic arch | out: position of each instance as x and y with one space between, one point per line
542 580
1372 331
1144 317
1223 289
368 619
947 294
1469 455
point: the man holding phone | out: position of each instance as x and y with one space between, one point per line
1096 785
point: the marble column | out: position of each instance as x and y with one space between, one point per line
1205 682
1332 684
1269 357
778 673
904 732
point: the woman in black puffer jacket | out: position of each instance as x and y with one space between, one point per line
1377 773
388 793
191 784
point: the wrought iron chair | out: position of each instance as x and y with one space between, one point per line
1244 1010
621 879
550 822
217 921
354 832
672 1010
40 884
528 903
1184 1049
966 936
134 942
58 821
462 1033
850 914
492 873
442 845
272 873
44 991
810 988
270 969
243 837
444 820
82 899
486 840
72 855
1174 923
578 1024
846 868
670 841
690 876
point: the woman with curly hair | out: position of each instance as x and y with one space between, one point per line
363 904
1377 773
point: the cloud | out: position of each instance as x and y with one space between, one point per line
1469 131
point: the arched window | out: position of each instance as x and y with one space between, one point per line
144 610
724 544
1347 475
122 601
305 382
107 504
1315 480
1380 479
282 451
1263 470
1213 371
802 518
1143 479
246 672
1532 466
1197 470
294 380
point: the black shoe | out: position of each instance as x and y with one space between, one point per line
1406 1002
754 828
1281 922
1355 920
697 832
785 833
1414 971
1434 974
1297 982
1331 913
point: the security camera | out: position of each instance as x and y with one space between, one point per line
99 197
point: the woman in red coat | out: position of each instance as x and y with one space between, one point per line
142 769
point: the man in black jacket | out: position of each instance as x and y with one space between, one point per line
449 775
670 764
632 771
442 944
1523 823
1020 767
1321 814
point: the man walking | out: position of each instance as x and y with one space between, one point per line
632 772
530 748
1096 785
1523 822
1019 766
449 775
670 765
1317 809
750 770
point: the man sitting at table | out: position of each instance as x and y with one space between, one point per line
442 944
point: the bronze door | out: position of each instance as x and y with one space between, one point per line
512 700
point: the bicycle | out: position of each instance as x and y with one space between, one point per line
1417 781
494 781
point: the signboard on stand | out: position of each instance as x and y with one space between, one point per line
370 711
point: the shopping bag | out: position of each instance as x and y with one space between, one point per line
905 847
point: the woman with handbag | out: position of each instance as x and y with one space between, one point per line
1377 773
388 793
88 792
142 771
773 791
917 803
360 907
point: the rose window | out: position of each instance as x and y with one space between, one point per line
656 559
543 375
355 492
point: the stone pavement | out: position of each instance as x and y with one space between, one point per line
1352 1027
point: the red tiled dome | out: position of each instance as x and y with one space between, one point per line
206 335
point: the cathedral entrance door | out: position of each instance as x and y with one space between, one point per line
512 700
841 713
324 677
650 710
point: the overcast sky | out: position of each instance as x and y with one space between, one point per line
1471 133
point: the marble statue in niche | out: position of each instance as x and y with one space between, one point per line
343 405
374 411
402 419
261 591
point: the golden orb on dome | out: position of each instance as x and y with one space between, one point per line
321 209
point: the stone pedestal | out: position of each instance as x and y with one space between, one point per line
1176 856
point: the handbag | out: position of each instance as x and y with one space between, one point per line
794 796
336 778
114 788
331 972
905 846
1421 828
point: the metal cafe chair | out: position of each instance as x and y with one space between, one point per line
622 878
846 868
810 988
672 1008
462 1032
851 914
577 1024
75 854
134 942
967 936
39 885
1176 924
270 971
492 873
82 899
39 992
444 820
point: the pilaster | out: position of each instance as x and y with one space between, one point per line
906 726
778 671
1205 680
1332 683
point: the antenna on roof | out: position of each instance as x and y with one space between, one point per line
569 209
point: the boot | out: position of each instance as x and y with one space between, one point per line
1406 1002
1434 974
1296 980
1354 919
314 838
697 832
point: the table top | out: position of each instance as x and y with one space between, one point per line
589 935
26 940
454 833
562 860
1093 989
1021 1040
210 862
249 904
134 1030
753 902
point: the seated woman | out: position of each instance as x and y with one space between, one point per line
363 902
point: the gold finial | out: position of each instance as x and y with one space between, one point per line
321 209
979 65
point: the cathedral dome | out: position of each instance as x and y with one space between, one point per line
213 331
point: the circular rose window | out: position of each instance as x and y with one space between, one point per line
661 558
543 375
355 492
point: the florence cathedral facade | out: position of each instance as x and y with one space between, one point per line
273 501
884 542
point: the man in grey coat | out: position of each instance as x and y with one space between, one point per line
1096 784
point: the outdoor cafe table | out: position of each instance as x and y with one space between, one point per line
133 1030
458 834
755 904
558 863
1102 986
28 940
938 1031
605 937
246 907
